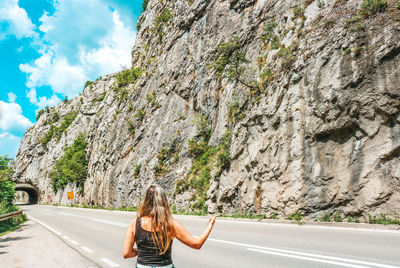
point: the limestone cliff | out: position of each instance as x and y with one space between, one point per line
304 98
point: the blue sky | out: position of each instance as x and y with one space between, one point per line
50 48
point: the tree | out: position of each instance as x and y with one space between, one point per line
7 187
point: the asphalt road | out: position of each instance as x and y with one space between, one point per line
99 234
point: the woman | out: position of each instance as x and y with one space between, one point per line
154 229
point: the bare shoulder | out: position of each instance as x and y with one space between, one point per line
132 224
175 223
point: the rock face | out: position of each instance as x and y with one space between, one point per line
319 133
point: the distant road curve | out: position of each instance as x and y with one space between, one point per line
98 235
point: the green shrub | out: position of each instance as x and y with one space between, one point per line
269 27
371 7
397 5
230 61
152 100
358 28
382 219
353 19
329 23
162 20
57 131
298 12
164 17
297 216
337 216
287 56
346 51
72 167
140 114
131 128
137 170
39 113
128 76
101 98
273 216
145 4
88 83
325 217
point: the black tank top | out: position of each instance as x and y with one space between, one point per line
148 252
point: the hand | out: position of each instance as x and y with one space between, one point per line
212 220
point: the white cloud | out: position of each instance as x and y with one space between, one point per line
44 101
55 72
14 20
82 40
115 51
9 144
12 120
31 95
11 97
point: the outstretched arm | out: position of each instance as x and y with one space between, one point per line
188 239
129 251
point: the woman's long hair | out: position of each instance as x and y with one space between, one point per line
155 204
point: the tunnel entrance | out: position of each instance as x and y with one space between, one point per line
32 192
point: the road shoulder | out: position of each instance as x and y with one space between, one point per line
34 246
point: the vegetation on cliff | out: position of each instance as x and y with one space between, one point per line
72 167
57 131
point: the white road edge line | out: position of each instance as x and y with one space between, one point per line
88 250
46 226
109 262
304 254
308 258
66 237
305 226
74 242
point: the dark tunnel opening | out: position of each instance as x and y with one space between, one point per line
33 195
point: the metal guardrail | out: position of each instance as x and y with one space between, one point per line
10 215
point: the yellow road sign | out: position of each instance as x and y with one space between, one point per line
70 195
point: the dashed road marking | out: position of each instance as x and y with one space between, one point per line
88 250
66 237
74 242
109 262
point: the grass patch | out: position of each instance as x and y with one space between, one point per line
249 215
12 224
382 219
